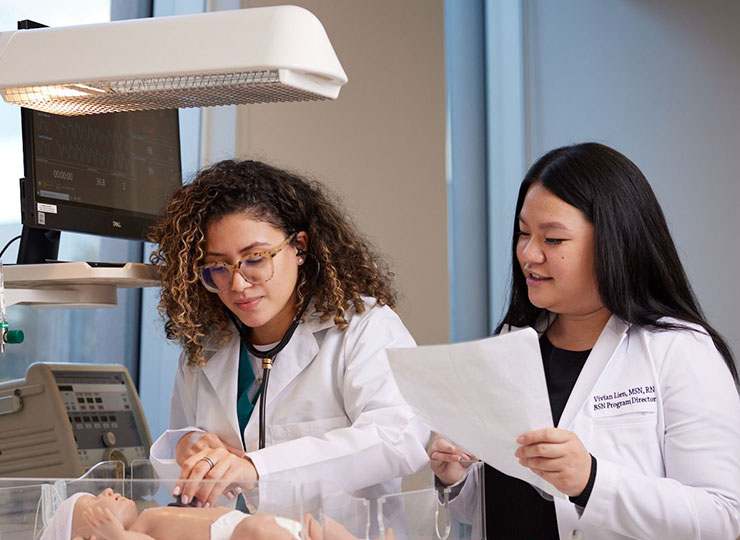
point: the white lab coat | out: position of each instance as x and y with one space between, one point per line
334 412
667 451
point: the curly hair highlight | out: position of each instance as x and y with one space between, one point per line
348 266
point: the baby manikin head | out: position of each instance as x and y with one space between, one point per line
68 522
122 508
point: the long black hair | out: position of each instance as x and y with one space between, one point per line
639 274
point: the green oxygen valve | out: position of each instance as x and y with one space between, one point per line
6 335
14 336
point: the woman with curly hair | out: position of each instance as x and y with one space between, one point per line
254 259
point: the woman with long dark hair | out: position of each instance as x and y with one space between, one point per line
642 389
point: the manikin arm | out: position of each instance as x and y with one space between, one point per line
105 526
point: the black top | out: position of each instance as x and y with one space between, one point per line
514 509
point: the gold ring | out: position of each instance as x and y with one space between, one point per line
209 461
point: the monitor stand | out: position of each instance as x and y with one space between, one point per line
38 246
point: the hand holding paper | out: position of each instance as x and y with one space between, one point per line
482 394
558 456
449 463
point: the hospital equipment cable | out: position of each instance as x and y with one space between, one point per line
8 245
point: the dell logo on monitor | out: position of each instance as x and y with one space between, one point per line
116 224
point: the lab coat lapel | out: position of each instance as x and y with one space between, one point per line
290 362
296 356
222 372
608 342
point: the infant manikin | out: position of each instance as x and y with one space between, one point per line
110 516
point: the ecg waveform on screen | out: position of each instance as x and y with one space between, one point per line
42 123
89 134
91 156
105 143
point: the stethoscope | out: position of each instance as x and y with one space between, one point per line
268 357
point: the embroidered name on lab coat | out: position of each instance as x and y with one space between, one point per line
634 399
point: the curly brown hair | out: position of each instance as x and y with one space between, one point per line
345 267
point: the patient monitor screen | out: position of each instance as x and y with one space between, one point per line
122 161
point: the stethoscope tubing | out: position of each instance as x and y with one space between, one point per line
263 407
268 358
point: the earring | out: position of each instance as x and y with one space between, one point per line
300 260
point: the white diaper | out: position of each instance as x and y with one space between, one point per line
290 525
223 527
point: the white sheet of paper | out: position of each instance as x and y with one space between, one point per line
482 395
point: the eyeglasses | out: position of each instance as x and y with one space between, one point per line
255 267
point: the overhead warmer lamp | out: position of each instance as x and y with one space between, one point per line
257 55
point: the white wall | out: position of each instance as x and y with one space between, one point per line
381 145
660 82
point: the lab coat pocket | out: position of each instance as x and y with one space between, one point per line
314 428
629 439
636 419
